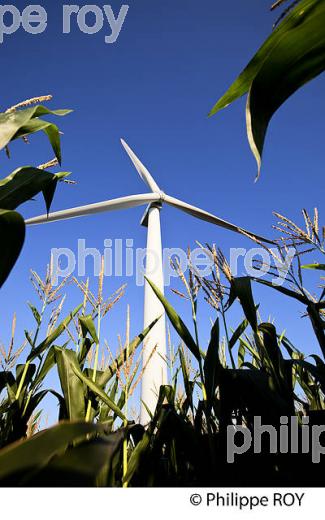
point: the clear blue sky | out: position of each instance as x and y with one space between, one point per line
154 87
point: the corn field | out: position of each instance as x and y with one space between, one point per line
247 370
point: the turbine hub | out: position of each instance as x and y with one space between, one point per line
162 197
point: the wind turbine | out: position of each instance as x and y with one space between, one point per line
155 373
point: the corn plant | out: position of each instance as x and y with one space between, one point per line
19 122
23 383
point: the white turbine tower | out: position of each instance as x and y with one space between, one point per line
156 369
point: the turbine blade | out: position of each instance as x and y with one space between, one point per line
208 217
108 205
141 169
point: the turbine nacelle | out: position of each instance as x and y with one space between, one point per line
157 204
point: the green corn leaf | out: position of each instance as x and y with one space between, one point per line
88 327
71 384
35 313
187 383
290 348
85 347
136 457
241 288
177 322
53 135
283 290
33 126
96 389
63 413
242 84
6 378
51 130
86 464
50 188
22 457
212 365
293 55
318 372
319 362
28 337
238 332
166 396
25 183
297 58
34 402
273 352
320 267
70 371
12 122
251 349
12 233
241 354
